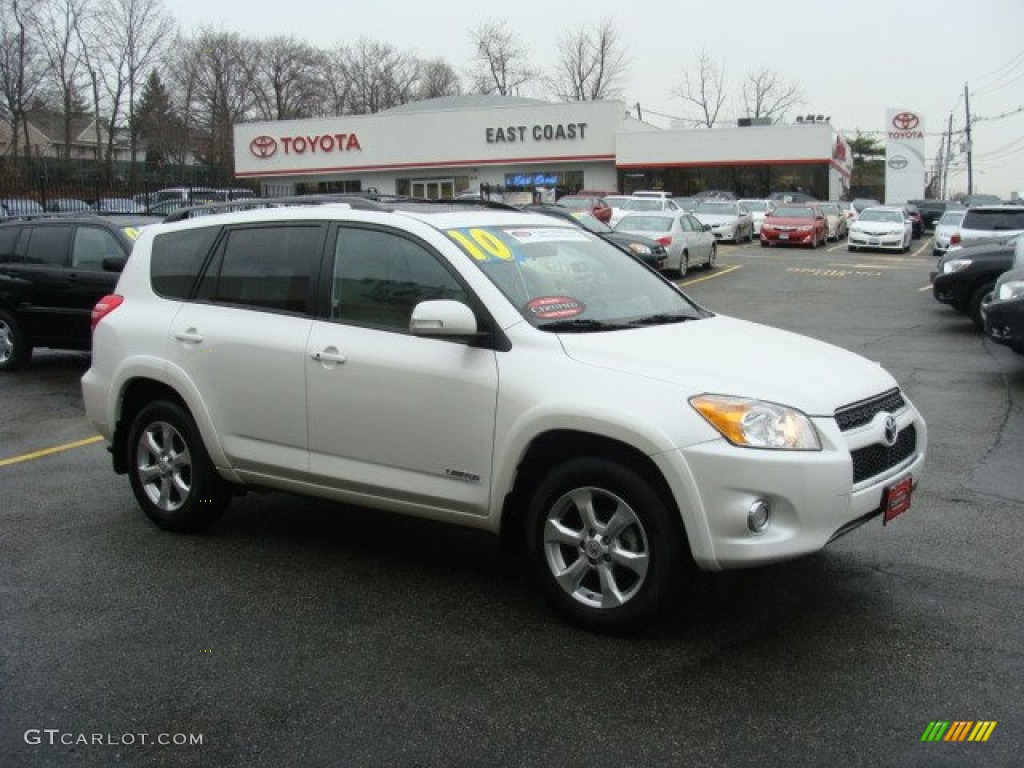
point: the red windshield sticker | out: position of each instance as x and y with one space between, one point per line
555 307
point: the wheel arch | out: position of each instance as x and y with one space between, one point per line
549 449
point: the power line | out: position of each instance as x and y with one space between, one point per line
1000 71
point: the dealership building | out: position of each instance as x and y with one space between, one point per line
519 149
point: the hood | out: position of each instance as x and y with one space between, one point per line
726 356
878 226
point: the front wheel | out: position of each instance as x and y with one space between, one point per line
713 255
979 304
171 473
684 264
603 544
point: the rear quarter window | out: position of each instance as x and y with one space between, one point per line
177 258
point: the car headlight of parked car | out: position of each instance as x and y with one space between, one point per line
1011 289
955 265
758 424
639 248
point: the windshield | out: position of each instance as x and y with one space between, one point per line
755 205
590 222
792 212
726 209
642 204
639 223
566 280
576 202
892 217
830 209
860 204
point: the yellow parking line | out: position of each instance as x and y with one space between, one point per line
712 276
49 451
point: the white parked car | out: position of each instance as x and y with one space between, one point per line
688 242
728 220
944 229
642 205
492 369
881 227
758 210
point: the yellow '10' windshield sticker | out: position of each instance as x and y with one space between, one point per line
481 244
506 244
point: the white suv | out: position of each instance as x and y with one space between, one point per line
491 369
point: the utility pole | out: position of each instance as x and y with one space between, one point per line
639 114
949 156
970 169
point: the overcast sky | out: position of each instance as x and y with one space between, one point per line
853 59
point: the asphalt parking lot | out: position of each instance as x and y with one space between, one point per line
297 632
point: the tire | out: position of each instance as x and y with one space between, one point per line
712 256
684 264
764 243
603 545
979 301
15 348
851 248
171 474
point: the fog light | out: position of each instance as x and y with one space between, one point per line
758 516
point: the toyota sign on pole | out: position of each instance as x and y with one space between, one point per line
904 156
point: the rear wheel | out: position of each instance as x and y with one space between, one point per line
171 473
603 544
15 349
684 264
713 255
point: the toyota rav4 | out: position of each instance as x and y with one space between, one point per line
500 370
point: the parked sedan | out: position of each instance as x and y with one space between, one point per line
944 229
67 205
881 227
687 241
729 220
20 206
794 225
758 210
595 205
641 204
117 205
836 220
916 220
1004 314
645 249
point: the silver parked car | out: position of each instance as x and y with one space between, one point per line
687 241
729 220
758 210
944 229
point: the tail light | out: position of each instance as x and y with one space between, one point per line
104 307
666 241
954 239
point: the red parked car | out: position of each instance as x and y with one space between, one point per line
794 225
595 205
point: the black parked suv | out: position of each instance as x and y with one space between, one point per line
967 276
932 210
53 270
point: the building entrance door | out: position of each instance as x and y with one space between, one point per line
432 189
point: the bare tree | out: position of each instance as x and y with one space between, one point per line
56 24
337 88
766 94
704 89
501 62
287 78
379 76
22 68
437 78
591 64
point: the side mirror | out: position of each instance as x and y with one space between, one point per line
114 263
442 318
706 227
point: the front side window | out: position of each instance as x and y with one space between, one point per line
565 279
91 246
266 268
380 276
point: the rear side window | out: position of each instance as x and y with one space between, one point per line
994 221
8 238
266 267
48 245
177 258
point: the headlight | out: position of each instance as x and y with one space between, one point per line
639 248
1011 289
757 424
955 265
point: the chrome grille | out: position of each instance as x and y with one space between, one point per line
861 413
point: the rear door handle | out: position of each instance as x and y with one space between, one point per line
329 355
191 336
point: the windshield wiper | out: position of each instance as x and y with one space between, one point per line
581 326
662 318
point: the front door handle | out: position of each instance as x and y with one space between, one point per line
191 336
329 356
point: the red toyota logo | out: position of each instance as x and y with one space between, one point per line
263 146
905 121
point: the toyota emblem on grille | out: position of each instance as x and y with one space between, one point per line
263 146
892 430
905 121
